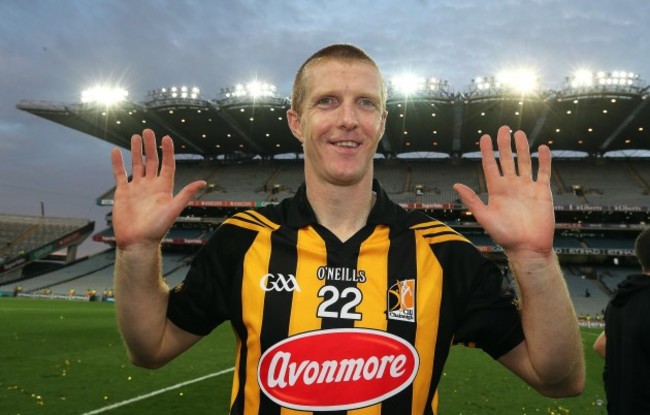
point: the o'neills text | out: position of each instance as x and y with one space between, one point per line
341 274
283 371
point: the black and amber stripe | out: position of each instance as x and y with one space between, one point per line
385 256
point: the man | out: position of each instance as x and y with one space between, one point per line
339 298
625 343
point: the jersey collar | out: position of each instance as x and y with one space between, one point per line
300 213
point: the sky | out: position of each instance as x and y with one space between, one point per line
51 50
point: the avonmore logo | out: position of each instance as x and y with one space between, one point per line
336 370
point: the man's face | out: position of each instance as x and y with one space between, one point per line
340 122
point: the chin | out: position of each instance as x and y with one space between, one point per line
347 179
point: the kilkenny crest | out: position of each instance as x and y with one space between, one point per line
401 301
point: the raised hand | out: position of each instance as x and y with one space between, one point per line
519 214
144 209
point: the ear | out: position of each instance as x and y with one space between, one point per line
293 118
384 115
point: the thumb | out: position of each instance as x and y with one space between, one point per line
187 193
469 198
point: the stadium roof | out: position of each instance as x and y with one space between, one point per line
594 120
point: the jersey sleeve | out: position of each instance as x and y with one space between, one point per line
203 300
488 316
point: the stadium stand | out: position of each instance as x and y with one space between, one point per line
286 180
616 182
242 147
612 276
589 297
258 181
93 274
85 267
24 240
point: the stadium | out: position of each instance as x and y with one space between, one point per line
240 144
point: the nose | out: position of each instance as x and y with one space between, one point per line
348 116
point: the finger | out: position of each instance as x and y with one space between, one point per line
473 203
186 194
137 168
168 165
489 162
523 155
151 153
506 159
544 169
470 199
119 172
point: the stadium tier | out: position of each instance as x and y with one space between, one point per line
92 275
27 239
595 120
598 223
242 147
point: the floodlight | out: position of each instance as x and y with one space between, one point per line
435 84
184 92
484 83
238 92
175 92
408 84
103 95
581 78
257 89
254 89
621 78
519 80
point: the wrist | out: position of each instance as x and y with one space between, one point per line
536 258
140 248
138 257
536 271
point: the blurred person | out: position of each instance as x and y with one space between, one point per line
625 342
338 297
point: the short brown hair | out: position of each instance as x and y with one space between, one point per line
642 249
342 52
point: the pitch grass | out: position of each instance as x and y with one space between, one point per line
61 357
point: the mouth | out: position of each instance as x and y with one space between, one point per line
347 144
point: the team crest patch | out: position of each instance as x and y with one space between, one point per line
401 301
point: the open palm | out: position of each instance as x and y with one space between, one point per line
519 213
144 208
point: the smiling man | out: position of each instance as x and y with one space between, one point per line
338 113
341 301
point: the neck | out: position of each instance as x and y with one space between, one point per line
343 210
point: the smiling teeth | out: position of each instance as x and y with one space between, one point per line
347 144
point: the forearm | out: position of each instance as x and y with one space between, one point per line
141 303
600 345
549 321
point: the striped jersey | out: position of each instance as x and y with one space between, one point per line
358 327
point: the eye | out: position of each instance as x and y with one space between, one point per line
367 102
326 101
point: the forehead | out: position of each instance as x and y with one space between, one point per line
330 75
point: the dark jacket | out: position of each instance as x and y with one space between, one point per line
627 352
